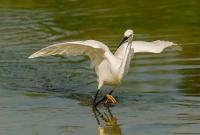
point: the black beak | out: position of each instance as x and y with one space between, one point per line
125 38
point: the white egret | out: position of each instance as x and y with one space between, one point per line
110 69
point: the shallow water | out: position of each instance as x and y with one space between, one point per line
52 95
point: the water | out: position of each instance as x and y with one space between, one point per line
52 95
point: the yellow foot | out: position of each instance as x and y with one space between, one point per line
111 98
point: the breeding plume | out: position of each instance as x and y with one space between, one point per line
110 68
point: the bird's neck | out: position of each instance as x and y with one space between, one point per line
120 61
121 51
127 56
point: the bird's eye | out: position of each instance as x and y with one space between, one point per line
128 36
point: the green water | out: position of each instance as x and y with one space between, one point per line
52 95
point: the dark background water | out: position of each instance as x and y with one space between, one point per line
52 95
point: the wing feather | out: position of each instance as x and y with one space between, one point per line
94 49
154 47
142 46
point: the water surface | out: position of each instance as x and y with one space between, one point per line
52 95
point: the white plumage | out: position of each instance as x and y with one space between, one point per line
110 69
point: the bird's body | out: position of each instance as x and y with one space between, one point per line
110 68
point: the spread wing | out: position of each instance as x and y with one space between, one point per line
154 47
142 46
94 49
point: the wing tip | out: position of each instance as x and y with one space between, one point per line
30 57
180 48
177 47
33 56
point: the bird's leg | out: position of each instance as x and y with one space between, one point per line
107 97
95 98
95 104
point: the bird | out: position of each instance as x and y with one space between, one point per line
110 68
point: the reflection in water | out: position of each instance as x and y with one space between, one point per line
111 126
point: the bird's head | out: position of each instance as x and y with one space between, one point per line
128 36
